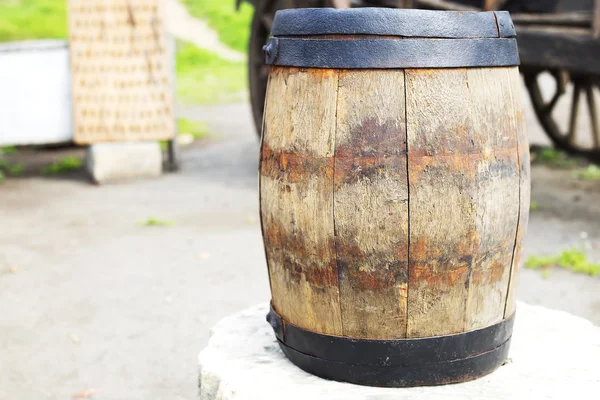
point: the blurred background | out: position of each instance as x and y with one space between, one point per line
129 217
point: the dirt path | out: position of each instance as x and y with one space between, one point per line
185 27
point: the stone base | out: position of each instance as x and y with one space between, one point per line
554 355
123 161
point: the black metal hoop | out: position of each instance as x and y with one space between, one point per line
393 22
395 363
391 53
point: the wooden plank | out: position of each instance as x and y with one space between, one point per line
491 5
341 3
296 184
441 200
371 203
574 50
563 19
445 5
496 204
405 3
525 188
121 71
260 183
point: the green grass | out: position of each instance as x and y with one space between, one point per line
554 158
545 273
233 27
2 166
6 150
590 173
66 164
15 169
573 260
33 19
9 169
204 78
152 221
534 206
197 129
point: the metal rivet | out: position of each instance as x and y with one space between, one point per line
267 49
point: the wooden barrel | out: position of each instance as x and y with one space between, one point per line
394 192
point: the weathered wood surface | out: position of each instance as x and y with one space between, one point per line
371 203
394 203
524 188
442 200
296 189
496 204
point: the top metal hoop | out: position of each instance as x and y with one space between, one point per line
393 22
372 38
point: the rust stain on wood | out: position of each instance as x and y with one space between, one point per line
294 167
496 271
378 271
436 273
372 138
349 171
380 278
293 246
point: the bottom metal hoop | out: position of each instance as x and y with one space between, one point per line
396 363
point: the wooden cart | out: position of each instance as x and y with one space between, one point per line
559 42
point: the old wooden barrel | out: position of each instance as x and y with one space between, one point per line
394 192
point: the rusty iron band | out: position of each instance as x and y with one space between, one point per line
395 363
391 53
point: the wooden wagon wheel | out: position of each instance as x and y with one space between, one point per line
575 137
570 132
260 30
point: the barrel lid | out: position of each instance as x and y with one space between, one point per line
393 22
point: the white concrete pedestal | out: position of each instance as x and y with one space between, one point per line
554 355
123 161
